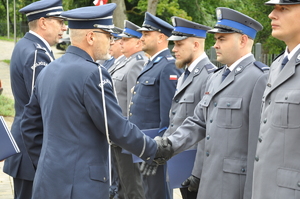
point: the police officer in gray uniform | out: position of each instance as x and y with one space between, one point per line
189 39
124 77
277 160
73 114
31 54
154 90
228 115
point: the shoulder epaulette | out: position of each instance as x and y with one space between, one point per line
261 66
38 46
210 68
219 68
139 57
170 57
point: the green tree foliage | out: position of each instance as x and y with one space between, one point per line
200 11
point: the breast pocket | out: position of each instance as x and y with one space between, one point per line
147 87
286 111
288 182
187 104
229 114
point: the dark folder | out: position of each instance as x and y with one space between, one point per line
8 145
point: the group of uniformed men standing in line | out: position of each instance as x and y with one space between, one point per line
242 119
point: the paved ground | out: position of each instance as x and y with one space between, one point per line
6 183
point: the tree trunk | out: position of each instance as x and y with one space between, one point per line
119 13
152 5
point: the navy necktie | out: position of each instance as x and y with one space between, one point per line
186 74
224 75
284 61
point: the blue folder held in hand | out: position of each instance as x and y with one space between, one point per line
151 133
180 167
8 145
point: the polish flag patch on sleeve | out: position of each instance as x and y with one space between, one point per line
173 77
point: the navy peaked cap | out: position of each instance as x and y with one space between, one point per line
184 28
91 17
282 2
130 30
43 8
232 21
116 31
153 23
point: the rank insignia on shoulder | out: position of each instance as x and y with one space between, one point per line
139 57
261 66
210 68
173 77
157 59
170 57
38 46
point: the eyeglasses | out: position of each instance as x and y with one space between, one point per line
111 37
59 20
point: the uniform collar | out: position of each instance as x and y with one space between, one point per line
232 67
292 53
196 61
155 55
41 38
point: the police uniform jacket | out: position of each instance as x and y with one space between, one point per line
64 123
227 118
124 78
153 93
21 72
120 61
277 163
188 94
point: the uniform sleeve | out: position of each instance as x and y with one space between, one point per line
167 88
32 128
191 131
41 59
121 131
132 75
254 125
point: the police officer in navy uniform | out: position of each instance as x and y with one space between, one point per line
73 114
228 116
153 92
31 54
277 159
124 77
189 39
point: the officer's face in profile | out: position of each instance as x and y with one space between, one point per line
183 50
285 23
102 42
55 28
128 46
149 41
227 47
115 49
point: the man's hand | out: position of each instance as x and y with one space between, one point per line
163 154
192 182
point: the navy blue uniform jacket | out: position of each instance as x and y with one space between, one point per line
153 93
64 123
22 60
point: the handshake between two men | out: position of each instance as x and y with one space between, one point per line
163 154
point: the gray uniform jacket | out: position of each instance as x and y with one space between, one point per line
188 94
64 132
117 63
277 161
228 118
124 78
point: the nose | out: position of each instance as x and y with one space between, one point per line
272 15
64 27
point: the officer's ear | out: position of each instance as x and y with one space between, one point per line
90 37
42 23
244 40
